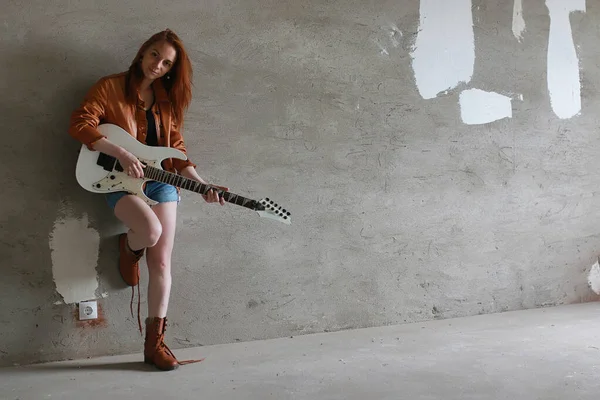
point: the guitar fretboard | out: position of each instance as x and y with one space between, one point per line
195 186
156 174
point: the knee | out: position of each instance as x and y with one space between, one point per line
152 234
158 266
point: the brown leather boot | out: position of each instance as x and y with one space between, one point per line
129 262
156 351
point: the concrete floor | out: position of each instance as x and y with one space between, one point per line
550 353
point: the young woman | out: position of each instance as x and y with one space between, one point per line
148 101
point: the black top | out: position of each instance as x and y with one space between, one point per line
152 138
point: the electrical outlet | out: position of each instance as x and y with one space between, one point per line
88 310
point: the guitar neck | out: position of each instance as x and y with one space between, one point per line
182 182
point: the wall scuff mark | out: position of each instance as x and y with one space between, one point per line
518 23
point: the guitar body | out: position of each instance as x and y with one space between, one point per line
100 173
95 178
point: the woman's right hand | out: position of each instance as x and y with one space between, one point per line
131 165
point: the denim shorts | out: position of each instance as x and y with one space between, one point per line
157 191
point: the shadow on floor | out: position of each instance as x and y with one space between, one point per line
60 368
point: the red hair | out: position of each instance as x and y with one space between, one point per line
177 82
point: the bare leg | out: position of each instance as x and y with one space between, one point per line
158 258
144 226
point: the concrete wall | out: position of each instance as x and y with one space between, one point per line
405 207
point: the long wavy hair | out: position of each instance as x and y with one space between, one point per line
177 82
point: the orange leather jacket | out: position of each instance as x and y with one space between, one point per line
105 102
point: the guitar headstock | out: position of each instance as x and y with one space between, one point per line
269 209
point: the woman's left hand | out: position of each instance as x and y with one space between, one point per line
212 196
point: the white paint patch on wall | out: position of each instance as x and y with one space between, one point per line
518 22
481 107
563 65
594 278
74 250
444 52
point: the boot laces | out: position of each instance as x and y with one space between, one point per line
138 305
163 346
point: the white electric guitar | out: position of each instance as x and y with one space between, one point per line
100 173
